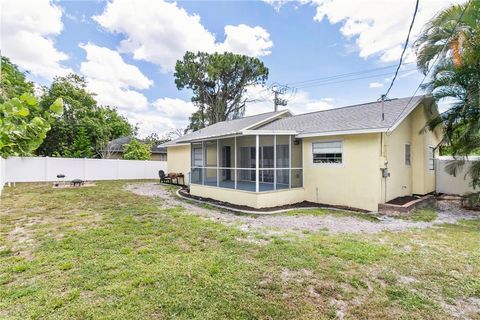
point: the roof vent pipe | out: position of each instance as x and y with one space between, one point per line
383 106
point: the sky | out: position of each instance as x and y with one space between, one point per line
127 49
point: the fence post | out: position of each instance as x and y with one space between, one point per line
144 169
118 169
84 169
46 169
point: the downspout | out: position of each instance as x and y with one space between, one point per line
383 155
384 168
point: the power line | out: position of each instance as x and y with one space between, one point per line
278 90
433 64
300 83
318 84
404 49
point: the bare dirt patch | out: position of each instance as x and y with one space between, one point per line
282 223
21 238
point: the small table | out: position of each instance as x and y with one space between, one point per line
76 182
176 176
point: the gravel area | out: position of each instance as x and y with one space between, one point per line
281 223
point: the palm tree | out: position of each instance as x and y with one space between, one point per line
448 50
452 26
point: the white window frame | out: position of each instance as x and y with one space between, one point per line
327 164
432 148
409 155
194 165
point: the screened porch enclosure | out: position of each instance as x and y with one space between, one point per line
255 163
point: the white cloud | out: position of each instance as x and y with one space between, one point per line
161 32
375 85
112 79
175 109
108 94
246 40
378 28
151 122
107 65
28 29
164 115
277 4
115 83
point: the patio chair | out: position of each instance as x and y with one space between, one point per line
164 177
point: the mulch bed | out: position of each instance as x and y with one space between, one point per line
299 205
402 200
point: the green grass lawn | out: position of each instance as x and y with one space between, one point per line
427 214
101 252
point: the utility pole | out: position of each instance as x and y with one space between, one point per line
278 91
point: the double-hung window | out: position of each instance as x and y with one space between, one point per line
327 152
408 154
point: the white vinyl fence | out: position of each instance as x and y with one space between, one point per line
38 169
449 184
2 173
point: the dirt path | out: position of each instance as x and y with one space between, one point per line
282 223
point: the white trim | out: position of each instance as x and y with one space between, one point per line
340 132
290 162
264 169
218 162
204 162
396 124
268 132
268 119
257 164
235 159
232 133
214 137
176 145
275 162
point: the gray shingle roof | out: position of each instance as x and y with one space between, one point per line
364 117
170 143
359 117
230 126
119 144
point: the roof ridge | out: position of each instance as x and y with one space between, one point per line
253 115
351 106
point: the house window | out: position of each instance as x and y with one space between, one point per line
408 155
197 157
327 152
431 158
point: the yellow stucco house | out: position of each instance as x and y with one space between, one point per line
357 156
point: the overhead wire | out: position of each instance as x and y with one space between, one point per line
432 65
404 48
347 80
300 83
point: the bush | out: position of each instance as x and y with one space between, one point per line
136 150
